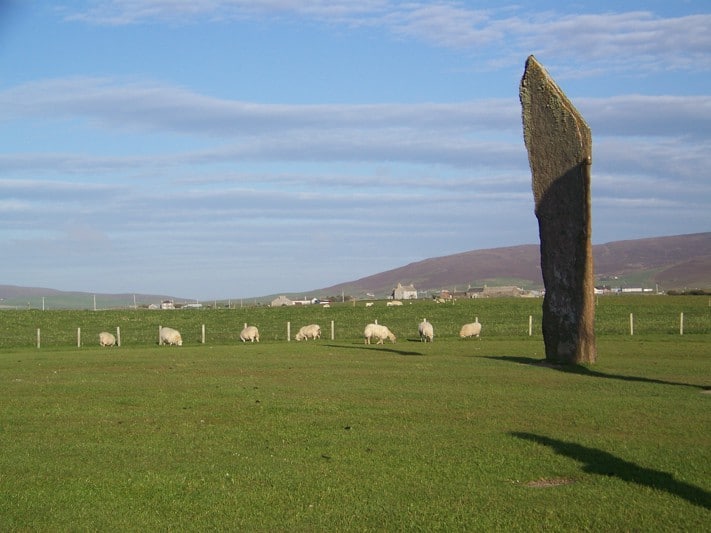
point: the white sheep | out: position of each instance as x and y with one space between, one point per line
312 331
369 304
470 330
426 330
106 339
249 333
377 331
393 303
170 336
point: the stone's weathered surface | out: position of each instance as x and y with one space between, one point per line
559 145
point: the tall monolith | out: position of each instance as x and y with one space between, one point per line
559 145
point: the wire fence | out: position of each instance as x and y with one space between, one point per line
500 318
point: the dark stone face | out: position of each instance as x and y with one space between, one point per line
559 145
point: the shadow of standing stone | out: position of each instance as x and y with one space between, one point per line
559 145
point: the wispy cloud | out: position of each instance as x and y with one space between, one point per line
481 134
637 40
625 41
120 12
446 24
649 116
155 107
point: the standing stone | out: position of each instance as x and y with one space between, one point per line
559 145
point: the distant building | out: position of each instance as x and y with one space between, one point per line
281 301
167 304
407 292
495 292
636 289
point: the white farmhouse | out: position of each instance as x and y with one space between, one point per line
407 292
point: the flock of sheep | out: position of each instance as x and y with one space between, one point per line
425 330
376 332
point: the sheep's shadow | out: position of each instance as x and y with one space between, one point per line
378 347
603 463
584 370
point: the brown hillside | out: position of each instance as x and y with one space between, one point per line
674 262
693 273
620 257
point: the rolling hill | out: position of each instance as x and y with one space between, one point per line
674 262
668 263
14 297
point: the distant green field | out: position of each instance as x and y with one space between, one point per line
501 318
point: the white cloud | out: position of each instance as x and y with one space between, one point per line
121 12
579 44
483 134
140 105
451 152
649 116
680 42
445 24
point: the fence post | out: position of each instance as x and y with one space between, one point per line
38 337
78 337
288 331
118 336
530 325
203 334
333 331
631 324
681 324
160 341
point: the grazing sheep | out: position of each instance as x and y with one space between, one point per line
369 304
378 332
170 336
394 303
470 330
426 331
106 339
250 333
312 331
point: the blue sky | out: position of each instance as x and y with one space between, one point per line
228 148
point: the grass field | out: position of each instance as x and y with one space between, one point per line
338 436
501 318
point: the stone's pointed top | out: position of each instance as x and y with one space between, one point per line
536 78
532 62
555 133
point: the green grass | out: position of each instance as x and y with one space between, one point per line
501 318
339 436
